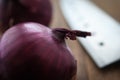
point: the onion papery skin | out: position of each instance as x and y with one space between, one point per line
31 51
18 11
32 10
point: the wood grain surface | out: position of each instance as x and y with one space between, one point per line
87 70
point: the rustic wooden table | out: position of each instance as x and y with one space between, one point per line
87 70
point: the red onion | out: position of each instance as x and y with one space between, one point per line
31 51
1 72
17 11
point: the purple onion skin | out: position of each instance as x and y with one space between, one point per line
32 11
31 51
28 11
1 72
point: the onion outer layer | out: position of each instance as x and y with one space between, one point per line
31 51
